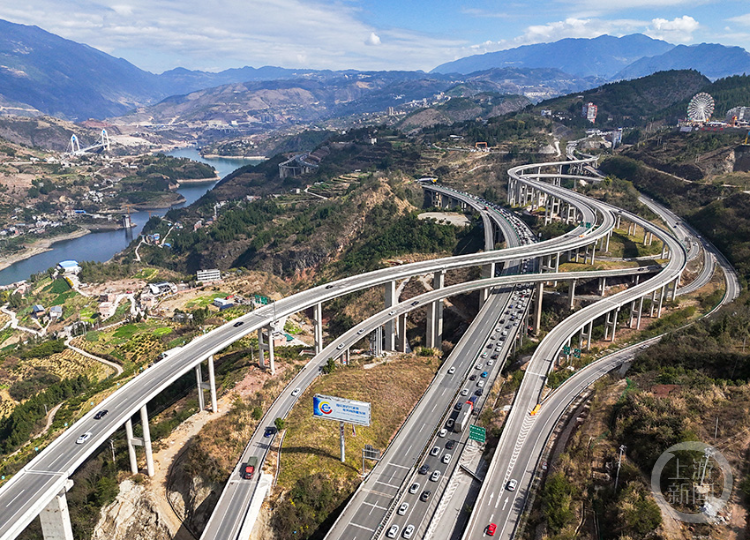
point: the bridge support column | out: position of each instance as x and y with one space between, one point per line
212 379
390 330
402 341
588 339
434 332
614 323
606 245
572 294
607 322
674 291
55 517
201 387
538 307
265 343
318 324
632 314
602 285
661 300
653 304
147 441
618 221
640 312
488 271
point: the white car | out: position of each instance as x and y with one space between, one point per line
465 392
512 485
435 451
361 331
392 532
341 346
480 384
408 531
414 488
443 432
447 458
451 371
83 438
296 392
403 509
435 476
478 366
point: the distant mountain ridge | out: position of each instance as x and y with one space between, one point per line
603 56
712 60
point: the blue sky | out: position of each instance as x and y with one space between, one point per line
158 35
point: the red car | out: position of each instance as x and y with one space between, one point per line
491 528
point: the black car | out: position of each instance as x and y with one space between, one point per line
450 444
425 496
101 414
329 286
479 392
494 357
473 378
239 323
424 469
458 406
270 430
415 302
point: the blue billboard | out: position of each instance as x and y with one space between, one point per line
341 410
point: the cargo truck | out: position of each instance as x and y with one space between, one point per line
464 417
248 469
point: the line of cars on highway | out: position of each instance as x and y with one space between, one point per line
442 454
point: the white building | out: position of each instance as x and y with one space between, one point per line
207 276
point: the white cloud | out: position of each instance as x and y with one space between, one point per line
204 35
742 19
372 39
678 30
577 28
599 7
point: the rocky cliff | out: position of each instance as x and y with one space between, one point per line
132 516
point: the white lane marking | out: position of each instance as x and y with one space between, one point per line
14 498
399 466
506 502
362 527
387 484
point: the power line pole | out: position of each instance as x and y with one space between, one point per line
619 463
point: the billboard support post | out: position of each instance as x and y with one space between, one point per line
343 448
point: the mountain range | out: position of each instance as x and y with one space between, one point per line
42 73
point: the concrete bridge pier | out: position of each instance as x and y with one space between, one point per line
434 332
210 385
572 293
640 312
55 517
318 327
265 343
588 338
390 327
402 341
661 300
602 285
653 304
616 313
488 271
144 441
539 293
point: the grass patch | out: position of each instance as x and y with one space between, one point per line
312 445
205 301
158 332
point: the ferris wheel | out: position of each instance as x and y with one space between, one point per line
701 107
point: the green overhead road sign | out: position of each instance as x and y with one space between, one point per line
566 350
577 353
478 434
